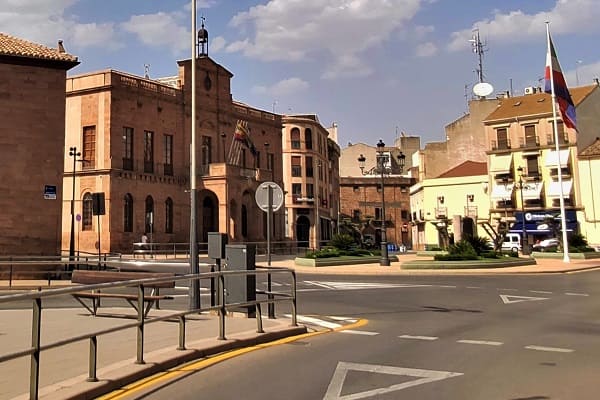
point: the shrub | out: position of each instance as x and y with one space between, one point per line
342 241
324 253
455 257
480 244
577 240
462 247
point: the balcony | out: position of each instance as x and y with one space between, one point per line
563 138
501 144
529 141
471 212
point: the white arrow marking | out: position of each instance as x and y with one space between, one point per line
361 285
509 299
337 382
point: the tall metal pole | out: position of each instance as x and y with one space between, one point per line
385 261
194 267
524 244
73 153
563 219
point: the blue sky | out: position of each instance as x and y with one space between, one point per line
375 67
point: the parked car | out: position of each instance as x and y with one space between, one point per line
546 245
512 242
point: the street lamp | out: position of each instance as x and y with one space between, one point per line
520 185
73 153
381 160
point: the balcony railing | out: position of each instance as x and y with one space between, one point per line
441 212
501 144
562 138
529 141
471 212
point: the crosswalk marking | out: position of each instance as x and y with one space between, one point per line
365 333
577 294
554 349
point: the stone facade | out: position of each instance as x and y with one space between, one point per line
32 111
142 158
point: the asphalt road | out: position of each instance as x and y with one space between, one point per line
447 337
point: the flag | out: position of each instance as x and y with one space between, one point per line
241 138
556 81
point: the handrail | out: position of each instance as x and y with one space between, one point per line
221 306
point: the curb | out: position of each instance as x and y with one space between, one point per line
123 373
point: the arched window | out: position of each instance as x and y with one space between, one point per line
169 215
295 138
308 138
149 215
128 213
87 212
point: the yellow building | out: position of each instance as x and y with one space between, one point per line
447 208
589 177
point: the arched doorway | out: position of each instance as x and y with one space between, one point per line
468 227
302 231
210 216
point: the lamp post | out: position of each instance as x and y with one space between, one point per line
73 153
381 158
520 186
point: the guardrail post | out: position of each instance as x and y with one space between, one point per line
294 319
222 309
270 306
181 333
93 360
34 372
10 276
140 328
212 287
259 326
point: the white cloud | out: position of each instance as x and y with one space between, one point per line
45 22
160 30
218 44
427 49
567 16
334 31
283 88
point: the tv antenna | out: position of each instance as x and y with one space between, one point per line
482 88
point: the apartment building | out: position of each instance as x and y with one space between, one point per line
311 176
134 137
523 162
32 111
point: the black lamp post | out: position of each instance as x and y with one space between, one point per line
381 159
520 186
73 153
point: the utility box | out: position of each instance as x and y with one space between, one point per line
241 288
216 245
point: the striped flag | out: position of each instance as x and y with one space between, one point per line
555 84
241 138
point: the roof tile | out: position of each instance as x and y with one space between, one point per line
12 46
468 168
592 150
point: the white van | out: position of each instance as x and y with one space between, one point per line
512 242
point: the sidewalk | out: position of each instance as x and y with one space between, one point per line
64 370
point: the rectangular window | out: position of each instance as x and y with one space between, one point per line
148 152
257 160
309 167
128 148
207 150
89 147
530 136
377 213
270 161
502 137
168 154
243 158
355 189
532 167
308 139
297 189
310 193
296 166
562 135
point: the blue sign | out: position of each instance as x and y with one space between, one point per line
50 192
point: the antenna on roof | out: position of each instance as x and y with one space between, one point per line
482 88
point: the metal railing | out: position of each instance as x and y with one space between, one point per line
221 306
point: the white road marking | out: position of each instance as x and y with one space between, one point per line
316 321
320 284
554 349
447 286
366 333
351 320
360 285
508 289
418 337
473 287
334 390
485 342
577 294
540 291
509 299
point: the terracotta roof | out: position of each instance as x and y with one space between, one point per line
12 46
534 104
468 168
592 150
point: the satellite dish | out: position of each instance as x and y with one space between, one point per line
483 89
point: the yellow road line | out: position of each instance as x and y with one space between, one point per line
194 366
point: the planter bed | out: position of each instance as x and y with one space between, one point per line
344 260
577 256
469 264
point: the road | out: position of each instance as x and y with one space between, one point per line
420 337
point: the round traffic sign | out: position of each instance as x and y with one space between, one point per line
262 196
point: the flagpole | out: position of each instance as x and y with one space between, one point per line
550 62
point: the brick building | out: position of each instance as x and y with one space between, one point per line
32 112
134 134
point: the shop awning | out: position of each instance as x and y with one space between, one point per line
500 164
539 227
554 189
552 158
532 191
502 192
